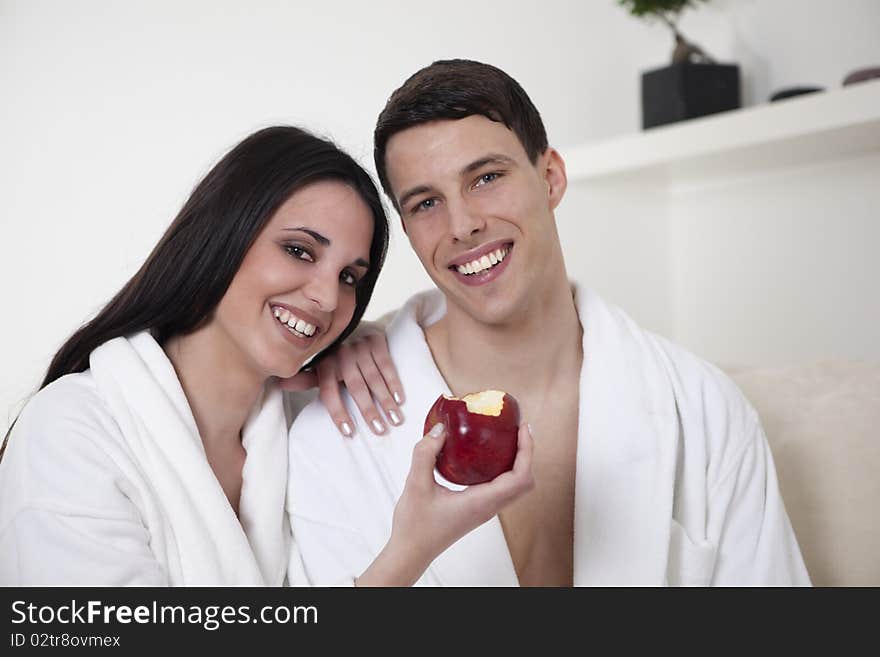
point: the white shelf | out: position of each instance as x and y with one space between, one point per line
797 131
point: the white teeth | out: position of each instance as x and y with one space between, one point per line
485 262
294 323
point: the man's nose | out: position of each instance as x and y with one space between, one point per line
464 221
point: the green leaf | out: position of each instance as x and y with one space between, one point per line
641 8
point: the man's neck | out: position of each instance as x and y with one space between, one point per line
526 357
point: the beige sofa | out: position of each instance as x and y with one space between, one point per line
823 425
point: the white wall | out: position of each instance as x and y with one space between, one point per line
111 111
778 268
615 237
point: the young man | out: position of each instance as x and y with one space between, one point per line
650 467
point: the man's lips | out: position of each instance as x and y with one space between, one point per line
479 252
486 275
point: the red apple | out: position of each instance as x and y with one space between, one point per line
481 435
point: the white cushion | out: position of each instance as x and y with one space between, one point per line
823 424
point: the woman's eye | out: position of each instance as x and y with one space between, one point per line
348 278
298 252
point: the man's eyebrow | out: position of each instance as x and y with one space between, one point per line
491 158
320 239
415 191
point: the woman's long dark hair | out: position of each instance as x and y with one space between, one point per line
190 269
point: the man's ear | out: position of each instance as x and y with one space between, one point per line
553 170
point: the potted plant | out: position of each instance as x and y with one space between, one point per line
693 84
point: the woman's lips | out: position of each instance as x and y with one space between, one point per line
291 335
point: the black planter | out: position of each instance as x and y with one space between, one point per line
686 91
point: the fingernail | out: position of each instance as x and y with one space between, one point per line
398 398
531 431
395 418
346 429
436 430
378 426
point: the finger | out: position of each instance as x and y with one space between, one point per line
299 382
425 456
376 383
525 449
331 396
359 391
379 348
511 484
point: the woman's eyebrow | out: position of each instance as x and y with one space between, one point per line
320 239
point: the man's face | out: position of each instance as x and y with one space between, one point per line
478 213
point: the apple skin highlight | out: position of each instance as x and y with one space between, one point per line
479 446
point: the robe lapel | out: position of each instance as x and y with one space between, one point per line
627 441
141 388
480 558
264 482
626 454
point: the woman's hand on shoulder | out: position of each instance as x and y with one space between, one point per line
363 364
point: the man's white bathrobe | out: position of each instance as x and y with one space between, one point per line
105 482
675 482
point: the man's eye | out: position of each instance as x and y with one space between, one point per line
487 178
427 204
298 252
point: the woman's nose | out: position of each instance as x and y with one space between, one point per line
323 290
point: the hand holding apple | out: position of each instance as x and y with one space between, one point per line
481 435
428 517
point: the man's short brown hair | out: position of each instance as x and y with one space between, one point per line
455 89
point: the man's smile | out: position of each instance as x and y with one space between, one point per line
482 264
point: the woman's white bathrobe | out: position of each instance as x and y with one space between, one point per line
675 482
105 482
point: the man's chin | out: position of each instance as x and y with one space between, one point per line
489 312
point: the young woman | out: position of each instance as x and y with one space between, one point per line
155 451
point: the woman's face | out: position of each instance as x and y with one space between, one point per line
295 290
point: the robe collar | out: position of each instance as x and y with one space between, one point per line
209 544
626 452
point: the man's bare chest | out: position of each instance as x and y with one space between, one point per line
539 528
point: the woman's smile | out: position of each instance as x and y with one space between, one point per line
297 327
